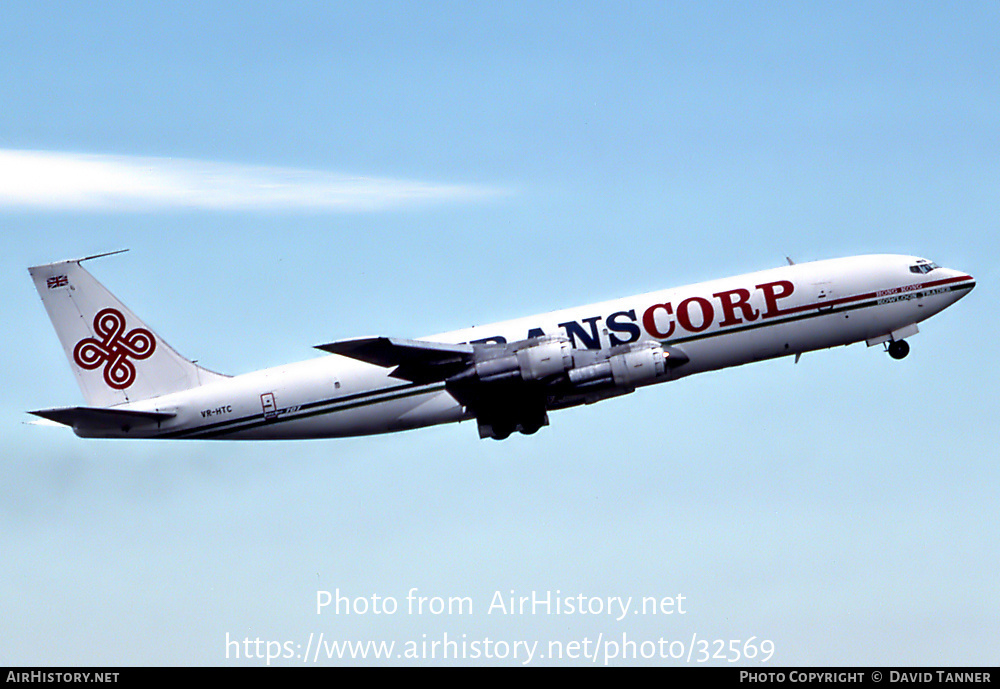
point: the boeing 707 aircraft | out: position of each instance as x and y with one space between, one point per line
507 376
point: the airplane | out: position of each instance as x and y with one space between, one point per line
506 376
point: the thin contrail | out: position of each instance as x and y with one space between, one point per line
46 180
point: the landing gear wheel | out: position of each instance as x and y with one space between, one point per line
899 349
531 427
502 430
532 421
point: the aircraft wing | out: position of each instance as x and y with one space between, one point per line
513 385
415 360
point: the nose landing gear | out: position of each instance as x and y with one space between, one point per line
898 349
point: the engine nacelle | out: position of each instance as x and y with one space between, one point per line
643 363
548 357
529 360
626 366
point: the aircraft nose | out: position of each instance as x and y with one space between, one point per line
963 281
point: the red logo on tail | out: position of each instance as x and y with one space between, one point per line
114 348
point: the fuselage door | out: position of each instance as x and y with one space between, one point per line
824 295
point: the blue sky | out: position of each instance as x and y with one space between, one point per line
562 153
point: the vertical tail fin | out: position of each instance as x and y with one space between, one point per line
115 357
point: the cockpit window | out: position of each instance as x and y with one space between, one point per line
923 267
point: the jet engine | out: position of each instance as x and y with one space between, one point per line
528 360
625 366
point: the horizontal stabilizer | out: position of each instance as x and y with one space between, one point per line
414 360
102 418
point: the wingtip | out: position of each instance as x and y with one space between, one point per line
42 421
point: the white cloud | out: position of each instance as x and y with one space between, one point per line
46 180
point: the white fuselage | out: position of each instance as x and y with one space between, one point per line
716 324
